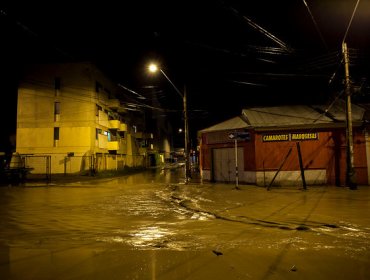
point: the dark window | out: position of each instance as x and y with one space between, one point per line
57 83
97 132
98 108
56 108
56 133
109 93
98 87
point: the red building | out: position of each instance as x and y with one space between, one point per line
270 152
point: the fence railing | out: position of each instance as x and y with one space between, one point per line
39 166
45 165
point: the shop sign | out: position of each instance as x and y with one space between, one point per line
290 137
275 137
304 136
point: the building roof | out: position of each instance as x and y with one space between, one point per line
338 111
297 116
283 116
233 123
302 116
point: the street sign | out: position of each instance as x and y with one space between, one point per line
240 135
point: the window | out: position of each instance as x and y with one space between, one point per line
98 87
56 108
112 136
98 108
56 133
57 86
56 111
57 83
97 132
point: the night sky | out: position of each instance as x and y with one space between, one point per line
229 54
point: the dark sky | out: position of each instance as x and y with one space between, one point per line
230 54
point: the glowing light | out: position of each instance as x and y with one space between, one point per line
153 68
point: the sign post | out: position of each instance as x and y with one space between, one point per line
236 163
238 136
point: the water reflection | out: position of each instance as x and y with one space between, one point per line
153 236
153 176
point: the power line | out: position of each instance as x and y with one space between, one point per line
259 28
350 22
315 24
33 34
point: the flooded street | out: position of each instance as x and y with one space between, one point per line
150 226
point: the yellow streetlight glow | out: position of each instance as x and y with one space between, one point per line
153 68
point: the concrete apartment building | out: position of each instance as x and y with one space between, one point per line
70 120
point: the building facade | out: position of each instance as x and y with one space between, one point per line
70 120
269 155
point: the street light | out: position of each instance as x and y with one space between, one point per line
154 68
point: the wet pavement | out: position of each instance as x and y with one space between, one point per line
152 226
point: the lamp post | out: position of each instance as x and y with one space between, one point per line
154 68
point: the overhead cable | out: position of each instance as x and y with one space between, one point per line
315 24
350 22
259 28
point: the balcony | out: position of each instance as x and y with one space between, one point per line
113 146
143 135
122 110
113 103
139 135
114 124
123 127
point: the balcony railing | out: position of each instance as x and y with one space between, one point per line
113 146
123 127
114 124
113 103
144 135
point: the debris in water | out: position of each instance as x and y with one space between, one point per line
293 268
217 253
302 227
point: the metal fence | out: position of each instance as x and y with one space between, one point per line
42 166
78 164
104 162
39 166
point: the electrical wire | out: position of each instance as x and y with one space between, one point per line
350 22
258 28
316 25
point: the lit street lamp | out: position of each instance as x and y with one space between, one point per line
154 68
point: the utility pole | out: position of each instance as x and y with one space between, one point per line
186 140
154 68
350 171
236 163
